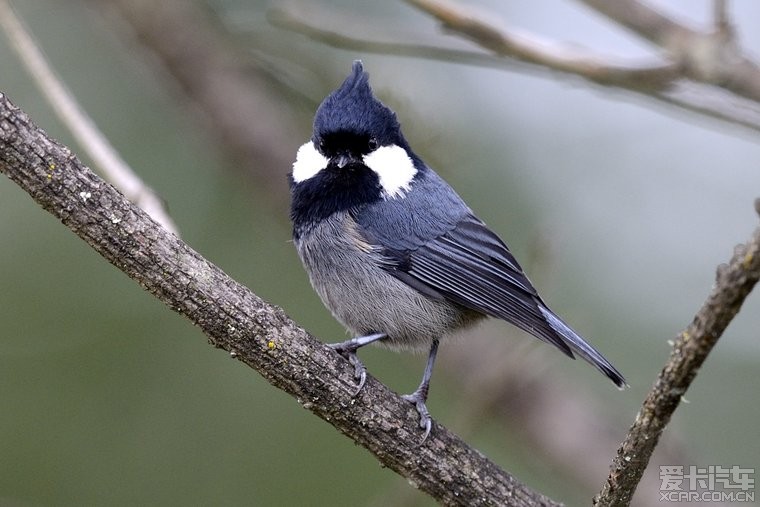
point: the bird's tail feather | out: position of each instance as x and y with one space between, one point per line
583 349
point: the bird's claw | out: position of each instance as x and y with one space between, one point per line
426 423
360 371
348 350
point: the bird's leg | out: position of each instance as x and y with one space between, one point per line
348 350
419 396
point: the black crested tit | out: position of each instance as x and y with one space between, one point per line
392 250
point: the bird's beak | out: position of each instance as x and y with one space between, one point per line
343 160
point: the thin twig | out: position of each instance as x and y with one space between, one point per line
295 21
652 74
82 127
251 330
733 284
720 15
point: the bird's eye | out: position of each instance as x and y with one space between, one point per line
372 144
321 144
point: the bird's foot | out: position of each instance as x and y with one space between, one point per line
419 397
348 350
360 371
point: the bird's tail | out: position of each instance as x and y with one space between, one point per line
582 348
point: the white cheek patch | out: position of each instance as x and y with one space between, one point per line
308 162
394 168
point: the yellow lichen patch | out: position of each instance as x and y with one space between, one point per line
685 336
747 260
271 345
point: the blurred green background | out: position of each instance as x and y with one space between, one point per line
619 209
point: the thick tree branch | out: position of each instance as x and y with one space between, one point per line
253 331
733 284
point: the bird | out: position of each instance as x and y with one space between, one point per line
394 252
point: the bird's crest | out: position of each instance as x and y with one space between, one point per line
353 108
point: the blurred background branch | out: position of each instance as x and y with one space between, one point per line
711 59
236 98
691 71
106 159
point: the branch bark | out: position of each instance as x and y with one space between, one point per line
251 330
733 284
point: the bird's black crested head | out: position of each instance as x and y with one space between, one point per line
357 155
352 109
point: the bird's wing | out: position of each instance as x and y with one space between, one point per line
471 266
436 245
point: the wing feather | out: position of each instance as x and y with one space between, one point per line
471 266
